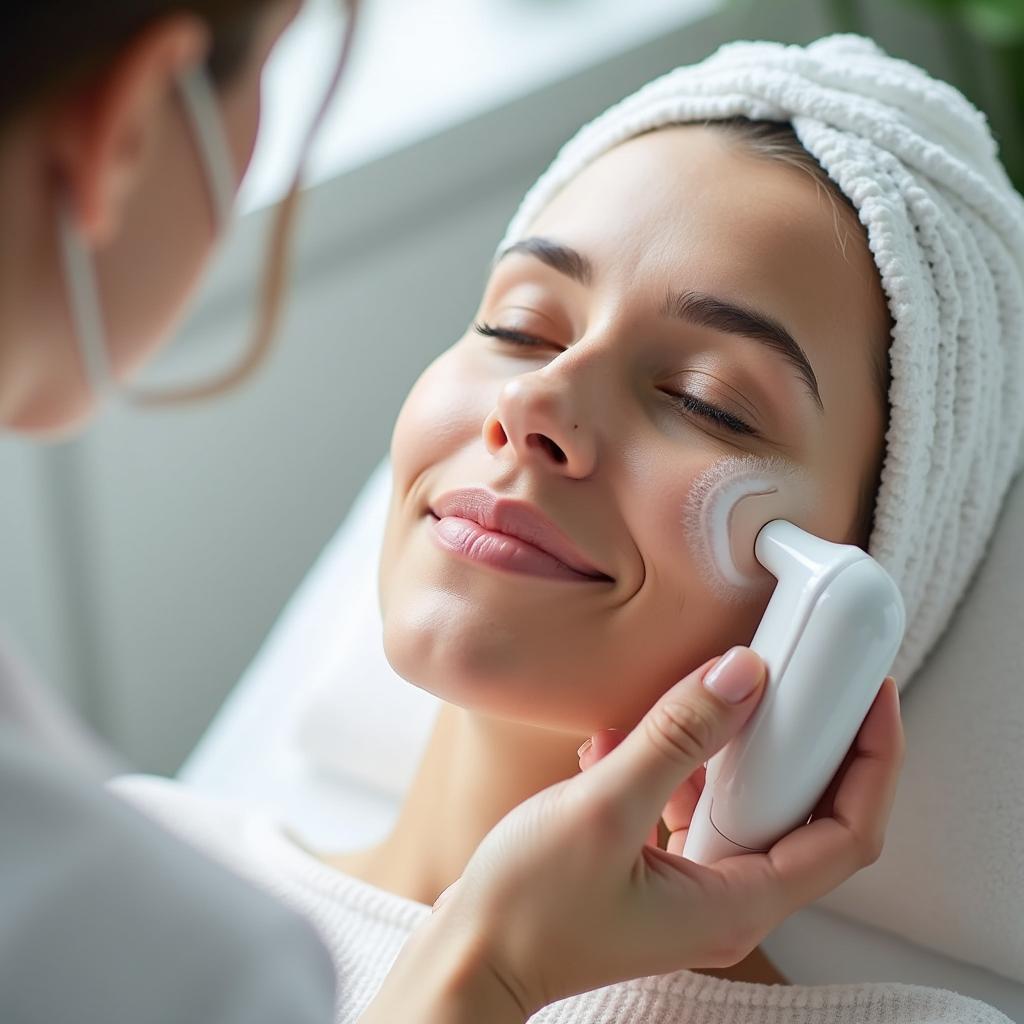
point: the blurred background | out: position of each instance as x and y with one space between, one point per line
144 563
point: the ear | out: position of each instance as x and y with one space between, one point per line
102 133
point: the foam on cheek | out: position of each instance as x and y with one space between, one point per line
727 506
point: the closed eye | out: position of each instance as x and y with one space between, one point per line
508 334
686 402
693 404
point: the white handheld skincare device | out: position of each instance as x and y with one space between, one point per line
828 637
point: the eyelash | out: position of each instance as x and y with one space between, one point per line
685 401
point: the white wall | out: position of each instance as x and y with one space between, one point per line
144 562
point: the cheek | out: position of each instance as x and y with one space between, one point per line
678 610
241 110
143 286
442 415
444 411
247 132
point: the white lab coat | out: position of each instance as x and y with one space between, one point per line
105 918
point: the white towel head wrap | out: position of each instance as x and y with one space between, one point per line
946 229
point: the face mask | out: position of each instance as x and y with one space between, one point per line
203 115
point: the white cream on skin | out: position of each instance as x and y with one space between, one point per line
725 509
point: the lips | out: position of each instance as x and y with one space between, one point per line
513 519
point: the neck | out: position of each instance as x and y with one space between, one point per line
474 771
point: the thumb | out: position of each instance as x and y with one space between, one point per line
688 725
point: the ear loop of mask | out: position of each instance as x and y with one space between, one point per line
208 128
203 114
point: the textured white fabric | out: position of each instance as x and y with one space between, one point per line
946 229
365 927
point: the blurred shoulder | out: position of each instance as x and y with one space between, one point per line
211 822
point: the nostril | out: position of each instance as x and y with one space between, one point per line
550 447
494 434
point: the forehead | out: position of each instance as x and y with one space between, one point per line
689 207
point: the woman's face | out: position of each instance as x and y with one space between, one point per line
568 406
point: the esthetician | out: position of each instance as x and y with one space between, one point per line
127 126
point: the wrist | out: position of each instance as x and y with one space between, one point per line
443 976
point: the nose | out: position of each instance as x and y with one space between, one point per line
539 420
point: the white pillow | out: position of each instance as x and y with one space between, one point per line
951 877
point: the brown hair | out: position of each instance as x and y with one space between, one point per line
776 140
48 45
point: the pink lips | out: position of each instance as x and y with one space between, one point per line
476 524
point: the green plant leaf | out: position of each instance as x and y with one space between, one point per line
999 22
942 7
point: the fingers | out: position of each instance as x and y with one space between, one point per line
815 858
687 726
865 794
846 835
679 806
678 810
601 743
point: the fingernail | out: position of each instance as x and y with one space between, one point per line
584 747
735 676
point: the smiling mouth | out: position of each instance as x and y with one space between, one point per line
473 542
478 526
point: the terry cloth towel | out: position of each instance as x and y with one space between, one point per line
946 229
365 927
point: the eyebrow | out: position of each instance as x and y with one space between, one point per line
707 311
559 257
696 308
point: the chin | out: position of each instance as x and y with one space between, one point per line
474 664
53 420
456 657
